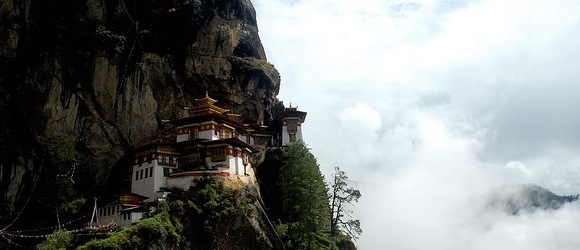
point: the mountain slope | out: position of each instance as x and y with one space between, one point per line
528 198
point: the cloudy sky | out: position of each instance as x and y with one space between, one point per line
428 105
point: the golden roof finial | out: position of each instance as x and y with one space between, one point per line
206 104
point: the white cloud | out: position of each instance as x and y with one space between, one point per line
422 103
361 119
521 167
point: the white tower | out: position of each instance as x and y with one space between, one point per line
292 120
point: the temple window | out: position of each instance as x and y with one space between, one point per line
218 154
226 133
292 126
193 133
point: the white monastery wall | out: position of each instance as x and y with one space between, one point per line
181 182
183 137
135 217
108 214
285 136
299 134
143 179
158 180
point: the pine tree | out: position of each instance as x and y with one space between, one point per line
341 197
305 198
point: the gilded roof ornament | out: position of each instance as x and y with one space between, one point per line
206 105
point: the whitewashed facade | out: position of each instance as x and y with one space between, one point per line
209 142
291 120
120 211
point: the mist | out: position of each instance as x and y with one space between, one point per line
432 106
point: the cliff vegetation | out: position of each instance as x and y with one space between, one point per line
210 215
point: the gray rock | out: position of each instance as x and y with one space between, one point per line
104 74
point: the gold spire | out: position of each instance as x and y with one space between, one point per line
206 105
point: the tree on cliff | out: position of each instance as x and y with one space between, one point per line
208 212
305 200
59 158
340 197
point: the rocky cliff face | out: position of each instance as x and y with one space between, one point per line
106 73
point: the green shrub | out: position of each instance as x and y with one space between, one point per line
60 239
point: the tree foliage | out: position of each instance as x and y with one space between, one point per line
305 199
156 232
60 152
59 240
207 211
341 197
194 219
59 158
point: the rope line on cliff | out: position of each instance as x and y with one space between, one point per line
11 242
123 81
27 200
127 11
77 231
5 245
53 227
129 55
270 224
40 229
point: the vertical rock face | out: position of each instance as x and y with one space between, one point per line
105 73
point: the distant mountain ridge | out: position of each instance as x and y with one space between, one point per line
528 198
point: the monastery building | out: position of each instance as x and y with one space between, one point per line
210 141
